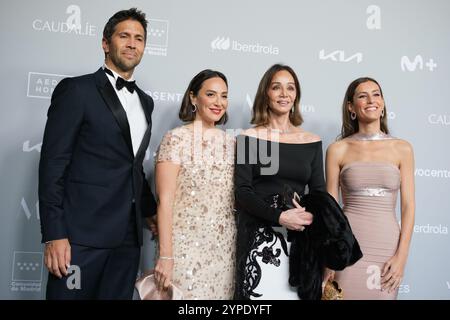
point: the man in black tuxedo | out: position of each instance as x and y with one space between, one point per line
93 195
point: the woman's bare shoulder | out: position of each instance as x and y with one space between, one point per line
404 148
252 132
338 147
310 137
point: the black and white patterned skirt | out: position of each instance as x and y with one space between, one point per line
266 271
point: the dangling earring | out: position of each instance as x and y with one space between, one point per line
194 108
353 115
382 113
292 110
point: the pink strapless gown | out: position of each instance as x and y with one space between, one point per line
369 193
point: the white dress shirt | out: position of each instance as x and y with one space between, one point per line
133 108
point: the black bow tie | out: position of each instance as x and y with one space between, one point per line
120 82
130 85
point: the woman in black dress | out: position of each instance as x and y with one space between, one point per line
275 153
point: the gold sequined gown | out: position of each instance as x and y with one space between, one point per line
204 231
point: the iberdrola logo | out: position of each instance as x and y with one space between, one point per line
225 43
220 43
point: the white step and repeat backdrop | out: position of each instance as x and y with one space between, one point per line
404 44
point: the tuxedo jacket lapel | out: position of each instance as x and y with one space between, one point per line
145 105
147 110
113 103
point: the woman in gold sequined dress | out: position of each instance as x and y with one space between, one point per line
194 186
369 166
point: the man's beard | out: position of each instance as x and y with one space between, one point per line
123 65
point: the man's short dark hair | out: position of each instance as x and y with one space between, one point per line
130 14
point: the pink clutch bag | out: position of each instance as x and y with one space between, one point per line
147 289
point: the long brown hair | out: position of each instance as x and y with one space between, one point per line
260 111
350 126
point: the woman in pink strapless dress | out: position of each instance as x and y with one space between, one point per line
369 167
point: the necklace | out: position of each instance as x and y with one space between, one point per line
371 136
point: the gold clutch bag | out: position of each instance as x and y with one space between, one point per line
332 291
147 289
